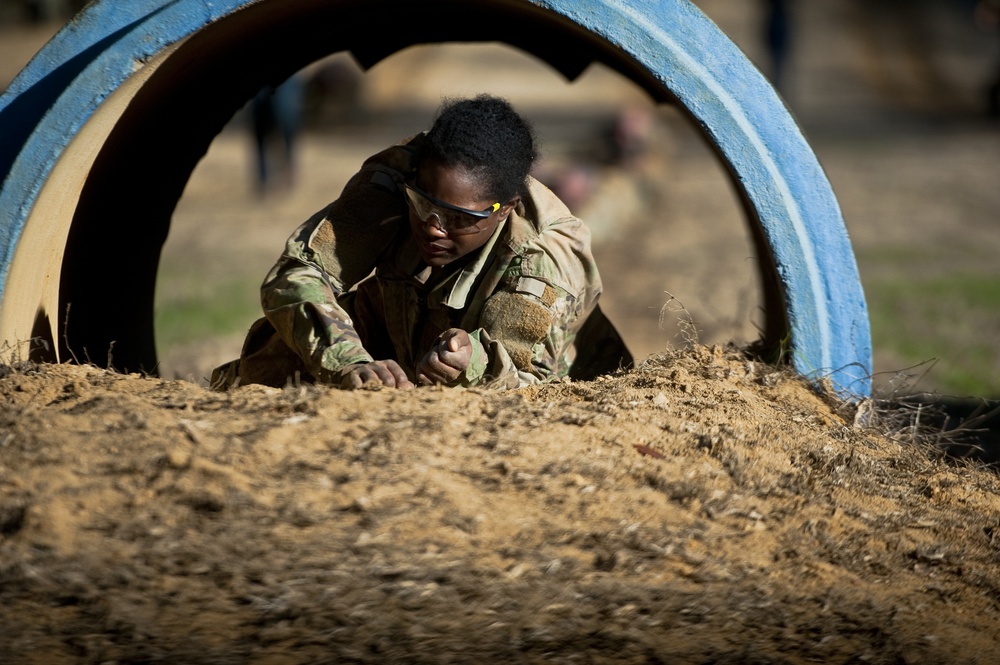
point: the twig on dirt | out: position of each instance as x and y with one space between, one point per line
66 334
931 420
947 425
685 322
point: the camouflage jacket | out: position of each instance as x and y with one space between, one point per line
522 296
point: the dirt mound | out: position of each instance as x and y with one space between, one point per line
700 508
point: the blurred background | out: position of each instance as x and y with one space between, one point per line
898 98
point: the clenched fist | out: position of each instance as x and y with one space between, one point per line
448 359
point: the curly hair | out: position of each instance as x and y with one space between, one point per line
487 136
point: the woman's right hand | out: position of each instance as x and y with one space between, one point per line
448 359
378 372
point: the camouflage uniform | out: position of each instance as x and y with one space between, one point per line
523 297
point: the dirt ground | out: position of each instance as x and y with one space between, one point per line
701 508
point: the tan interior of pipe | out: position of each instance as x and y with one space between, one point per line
31 293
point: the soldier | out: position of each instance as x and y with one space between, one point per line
482 276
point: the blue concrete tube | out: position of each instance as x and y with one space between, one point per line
102 129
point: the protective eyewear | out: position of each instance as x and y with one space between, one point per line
451 219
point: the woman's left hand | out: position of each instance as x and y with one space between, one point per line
448 359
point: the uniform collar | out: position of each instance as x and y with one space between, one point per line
454 290
457 289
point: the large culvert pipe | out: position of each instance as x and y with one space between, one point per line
104 126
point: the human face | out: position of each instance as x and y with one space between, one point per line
455 186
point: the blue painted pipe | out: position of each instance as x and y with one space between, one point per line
816 309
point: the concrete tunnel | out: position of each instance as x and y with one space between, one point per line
104 127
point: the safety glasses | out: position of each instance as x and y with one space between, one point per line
451 219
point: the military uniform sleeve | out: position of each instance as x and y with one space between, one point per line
534 346
324 258
528 327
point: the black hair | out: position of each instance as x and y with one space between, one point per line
487 136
